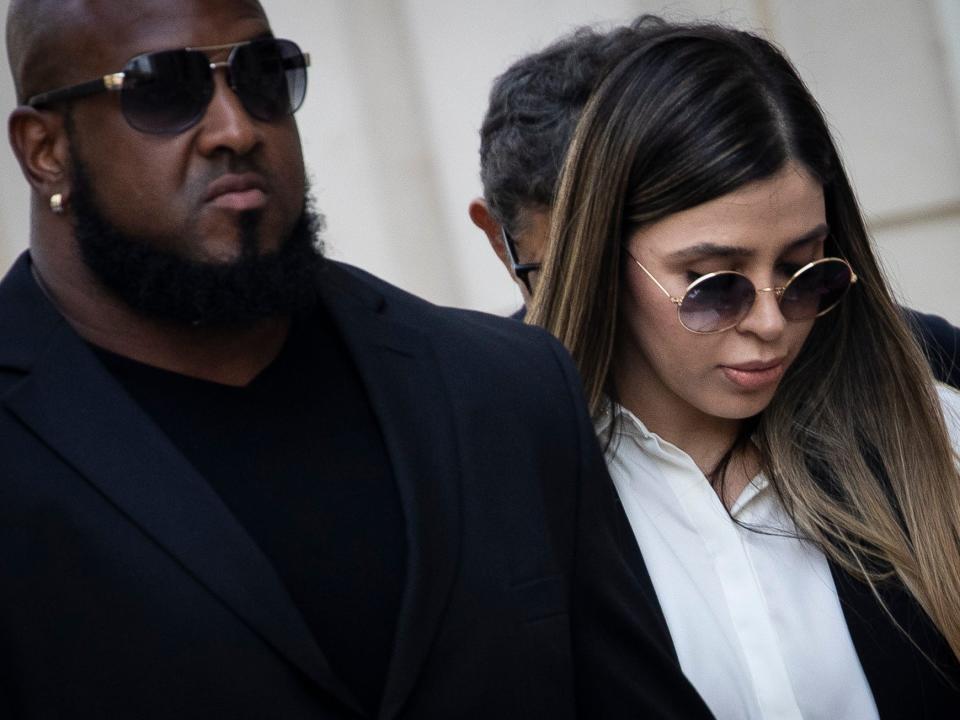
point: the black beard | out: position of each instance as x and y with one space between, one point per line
163 285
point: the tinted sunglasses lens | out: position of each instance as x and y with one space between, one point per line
815 290
270 76
717 303
166 92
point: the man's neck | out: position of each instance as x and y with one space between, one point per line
230 355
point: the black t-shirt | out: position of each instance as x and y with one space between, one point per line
299 458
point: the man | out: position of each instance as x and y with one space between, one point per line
243 481
534 108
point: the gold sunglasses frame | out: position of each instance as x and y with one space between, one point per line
777 291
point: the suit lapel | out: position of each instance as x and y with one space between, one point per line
627 542
405 386
70 401
900 669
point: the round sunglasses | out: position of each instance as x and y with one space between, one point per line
168 92
721 300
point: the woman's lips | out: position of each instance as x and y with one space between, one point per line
755 375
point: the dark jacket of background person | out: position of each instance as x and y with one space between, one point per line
941 344
129 589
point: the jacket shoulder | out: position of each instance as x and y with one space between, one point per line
457 328
940 341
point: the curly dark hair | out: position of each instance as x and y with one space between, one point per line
533 110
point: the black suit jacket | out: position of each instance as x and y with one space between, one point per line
940 342
128 589
912 672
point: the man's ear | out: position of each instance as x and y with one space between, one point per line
39 140
482 217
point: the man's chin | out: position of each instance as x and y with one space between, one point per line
218 255
227 250
227 283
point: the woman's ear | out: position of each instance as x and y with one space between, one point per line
40 143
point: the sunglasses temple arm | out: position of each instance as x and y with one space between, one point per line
662 288
107 82
295 63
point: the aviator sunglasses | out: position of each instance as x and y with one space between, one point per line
167 92
719 301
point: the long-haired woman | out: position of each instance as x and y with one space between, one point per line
786 461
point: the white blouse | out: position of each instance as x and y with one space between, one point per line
754 616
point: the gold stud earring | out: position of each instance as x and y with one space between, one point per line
57 204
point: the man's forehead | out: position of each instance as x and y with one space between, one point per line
145 25
57 42
146 11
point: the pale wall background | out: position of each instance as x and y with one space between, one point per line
398 89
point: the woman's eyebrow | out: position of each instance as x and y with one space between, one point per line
705 250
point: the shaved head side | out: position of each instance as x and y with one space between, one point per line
50 43
36 32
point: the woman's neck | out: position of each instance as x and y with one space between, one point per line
705 438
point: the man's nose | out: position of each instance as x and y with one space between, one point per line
227 125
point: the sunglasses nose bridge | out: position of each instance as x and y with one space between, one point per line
221 65
226 123
777 291
215 84
762 319
774 290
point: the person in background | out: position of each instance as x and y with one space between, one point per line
239 480
788 463
533 109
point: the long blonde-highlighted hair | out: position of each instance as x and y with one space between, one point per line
854 441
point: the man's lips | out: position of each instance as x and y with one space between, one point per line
237 192
756 374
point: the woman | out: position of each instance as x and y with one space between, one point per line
786 462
